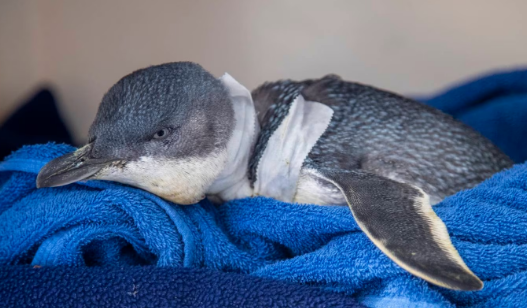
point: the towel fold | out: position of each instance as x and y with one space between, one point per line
103 223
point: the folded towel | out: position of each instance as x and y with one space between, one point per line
103 223
106 223
149 286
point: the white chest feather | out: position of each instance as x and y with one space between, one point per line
182 181
311 190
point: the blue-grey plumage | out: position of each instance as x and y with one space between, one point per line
180 97
385 134
176 131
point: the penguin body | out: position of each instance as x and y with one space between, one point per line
177 131
381 133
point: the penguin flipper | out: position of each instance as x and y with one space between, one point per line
399 219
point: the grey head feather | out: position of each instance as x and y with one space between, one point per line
181 97
164 129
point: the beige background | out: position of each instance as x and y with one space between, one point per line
83 47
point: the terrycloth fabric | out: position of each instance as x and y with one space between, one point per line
100 222
105 223
148 286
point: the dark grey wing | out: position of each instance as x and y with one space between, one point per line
399 219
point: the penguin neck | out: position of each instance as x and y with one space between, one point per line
233 182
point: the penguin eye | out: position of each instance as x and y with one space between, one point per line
162 133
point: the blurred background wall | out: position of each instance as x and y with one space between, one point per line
82 47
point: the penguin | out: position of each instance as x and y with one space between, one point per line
180 133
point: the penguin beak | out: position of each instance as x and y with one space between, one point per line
70 168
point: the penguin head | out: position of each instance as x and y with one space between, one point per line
164 129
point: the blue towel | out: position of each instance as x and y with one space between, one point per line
103 223
149 286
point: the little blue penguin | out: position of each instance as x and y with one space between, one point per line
178 132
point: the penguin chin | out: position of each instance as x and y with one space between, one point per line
182 181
